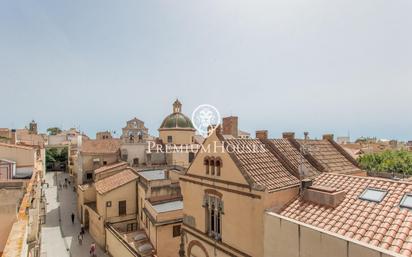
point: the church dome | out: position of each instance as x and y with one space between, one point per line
177 119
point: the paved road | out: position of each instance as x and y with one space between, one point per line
59 239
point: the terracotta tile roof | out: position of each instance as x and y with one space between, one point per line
293 155
261 167
104 146
108 184
329 156
382 224
110 167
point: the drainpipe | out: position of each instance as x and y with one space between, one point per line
182 245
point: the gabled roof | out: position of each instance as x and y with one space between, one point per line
295 157
109 167
382 224
119 179
103 146
261 167
276 163
331 156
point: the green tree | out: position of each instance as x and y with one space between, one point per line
56 155
54 131
399 161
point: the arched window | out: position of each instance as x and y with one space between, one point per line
213 205
218 164
206 163
212 167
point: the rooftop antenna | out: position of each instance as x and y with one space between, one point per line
303 151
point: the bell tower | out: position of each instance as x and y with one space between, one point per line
33 127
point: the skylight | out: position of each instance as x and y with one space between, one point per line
407 201
374 195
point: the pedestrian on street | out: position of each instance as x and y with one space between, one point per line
93 249
82 229
72 218
80 238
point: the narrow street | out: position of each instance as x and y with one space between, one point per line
59 235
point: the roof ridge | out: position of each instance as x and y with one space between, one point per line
110 166
366 177
343 152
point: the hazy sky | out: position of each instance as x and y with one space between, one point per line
287 65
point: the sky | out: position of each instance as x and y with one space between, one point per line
340 66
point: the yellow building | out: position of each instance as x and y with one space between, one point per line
25 158
20 230
156 229
160 209
95 154
232 181
109 199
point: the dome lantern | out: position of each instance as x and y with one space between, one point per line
177 106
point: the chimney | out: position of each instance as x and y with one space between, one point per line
306 134
230 126
288 135
327 137
261 134
323 195
13 137
306 183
